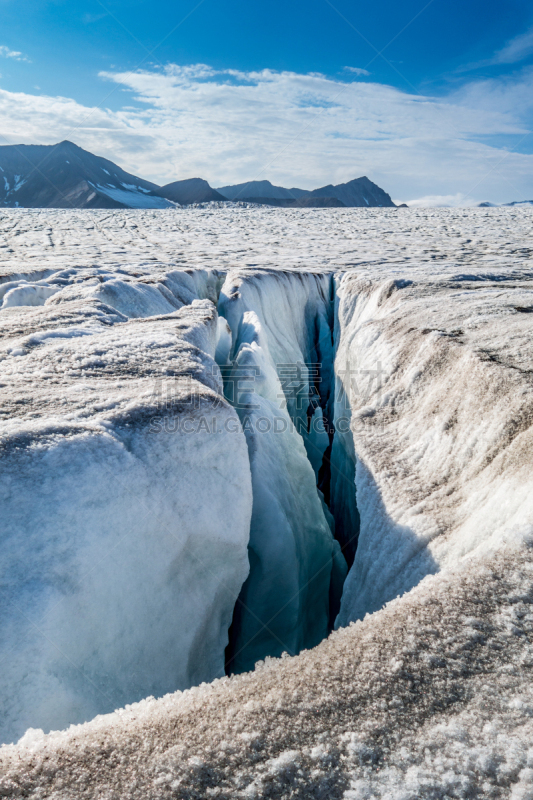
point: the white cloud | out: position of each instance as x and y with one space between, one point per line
507 96
516 50
5 52
357 70
295 129
441 201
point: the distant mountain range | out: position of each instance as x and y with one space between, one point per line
360 192
65 176
514 203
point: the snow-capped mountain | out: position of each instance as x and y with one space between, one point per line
360 192
65 176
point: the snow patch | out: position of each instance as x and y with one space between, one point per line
133 199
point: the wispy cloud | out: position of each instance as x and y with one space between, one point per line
6 52
89 19
357 70
516 50
296 129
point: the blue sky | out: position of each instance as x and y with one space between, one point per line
433 100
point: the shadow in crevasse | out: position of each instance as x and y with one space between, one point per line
392 556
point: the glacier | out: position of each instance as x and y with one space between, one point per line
226 432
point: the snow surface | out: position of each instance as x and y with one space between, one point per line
27 294
430 697
428 316
388 240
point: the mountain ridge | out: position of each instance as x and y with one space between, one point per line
65 175
263 189
359 192
486 204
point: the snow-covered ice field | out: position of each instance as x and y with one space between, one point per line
267 237
170 384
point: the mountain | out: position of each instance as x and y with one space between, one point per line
301 202
193 190
498 205
360 192
261 189
65 176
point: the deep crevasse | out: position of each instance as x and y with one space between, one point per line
94 473
440 441
431 694
280 327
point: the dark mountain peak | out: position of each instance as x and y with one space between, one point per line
359 192
66 148
262 184
67 145
192 181
190 190
261 189
64 175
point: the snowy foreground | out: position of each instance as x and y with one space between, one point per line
175 387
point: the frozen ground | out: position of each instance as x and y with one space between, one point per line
223 238
429 698
126 517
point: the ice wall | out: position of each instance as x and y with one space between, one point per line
436 375
296 567
126 501
295 310
120 425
